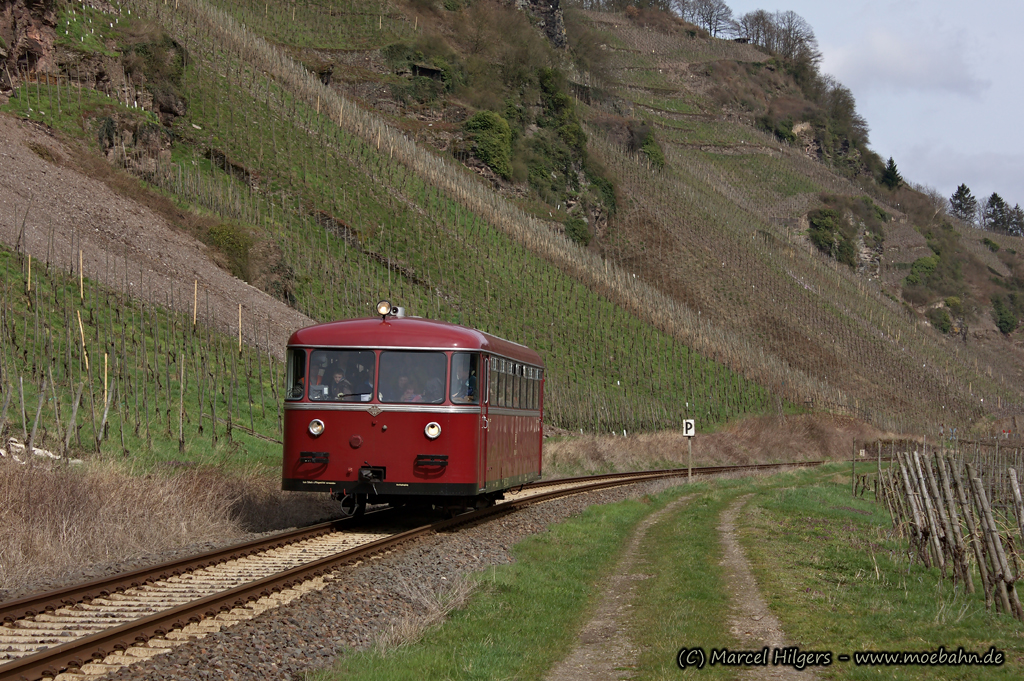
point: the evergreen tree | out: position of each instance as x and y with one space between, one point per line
963 205
995 214
891 177
1017 221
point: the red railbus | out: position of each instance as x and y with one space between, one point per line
403 410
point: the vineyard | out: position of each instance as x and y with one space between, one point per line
89 369
702 299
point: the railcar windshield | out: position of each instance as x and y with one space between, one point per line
412 376
341 375
465 373
296 378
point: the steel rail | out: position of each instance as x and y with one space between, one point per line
102 587
74 654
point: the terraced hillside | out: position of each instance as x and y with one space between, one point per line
326 147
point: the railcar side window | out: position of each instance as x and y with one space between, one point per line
499 390
521 384
530 380
296 388
412 376
508 384
465 375
493 372
341 375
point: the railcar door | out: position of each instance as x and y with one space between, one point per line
481 459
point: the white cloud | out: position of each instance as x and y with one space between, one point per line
982 170
890 61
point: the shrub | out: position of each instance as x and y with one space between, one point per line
653 150
493 141
1005 320
940 319
955 305
783 130
922 269
827 235
992 245
577 230
234 242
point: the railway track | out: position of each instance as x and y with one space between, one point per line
145 612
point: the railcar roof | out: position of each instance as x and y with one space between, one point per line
409 332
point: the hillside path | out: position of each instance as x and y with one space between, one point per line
603 651
750 621
64 210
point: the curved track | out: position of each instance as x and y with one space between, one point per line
69 628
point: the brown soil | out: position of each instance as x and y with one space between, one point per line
124 243
603 651
750 621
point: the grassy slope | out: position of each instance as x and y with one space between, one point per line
711 207
705 232
390 234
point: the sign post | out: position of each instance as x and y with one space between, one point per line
689 430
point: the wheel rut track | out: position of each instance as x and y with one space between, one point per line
129 632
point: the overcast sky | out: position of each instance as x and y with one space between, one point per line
940 83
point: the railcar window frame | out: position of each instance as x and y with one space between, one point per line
349 358
419 381
295 389
473 373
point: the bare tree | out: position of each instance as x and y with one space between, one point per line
758 27
795 38
712 15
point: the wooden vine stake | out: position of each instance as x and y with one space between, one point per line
976 541
1002 576
1018 503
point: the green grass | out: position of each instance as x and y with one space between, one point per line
333 24
72 110
524 616
813 549
839 581
762 174
697 131
671 105
84 29
684 602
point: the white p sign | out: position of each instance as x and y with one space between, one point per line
689 428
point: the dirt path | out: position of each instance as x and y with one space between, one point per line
64 210
603 651
750 621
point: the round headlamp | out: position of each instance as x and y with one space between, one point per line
384 308
433 430
316 427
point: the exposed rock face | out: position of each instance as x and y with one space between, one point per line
549 19
28 29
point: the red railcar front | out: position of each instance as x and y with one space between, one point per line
401 410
